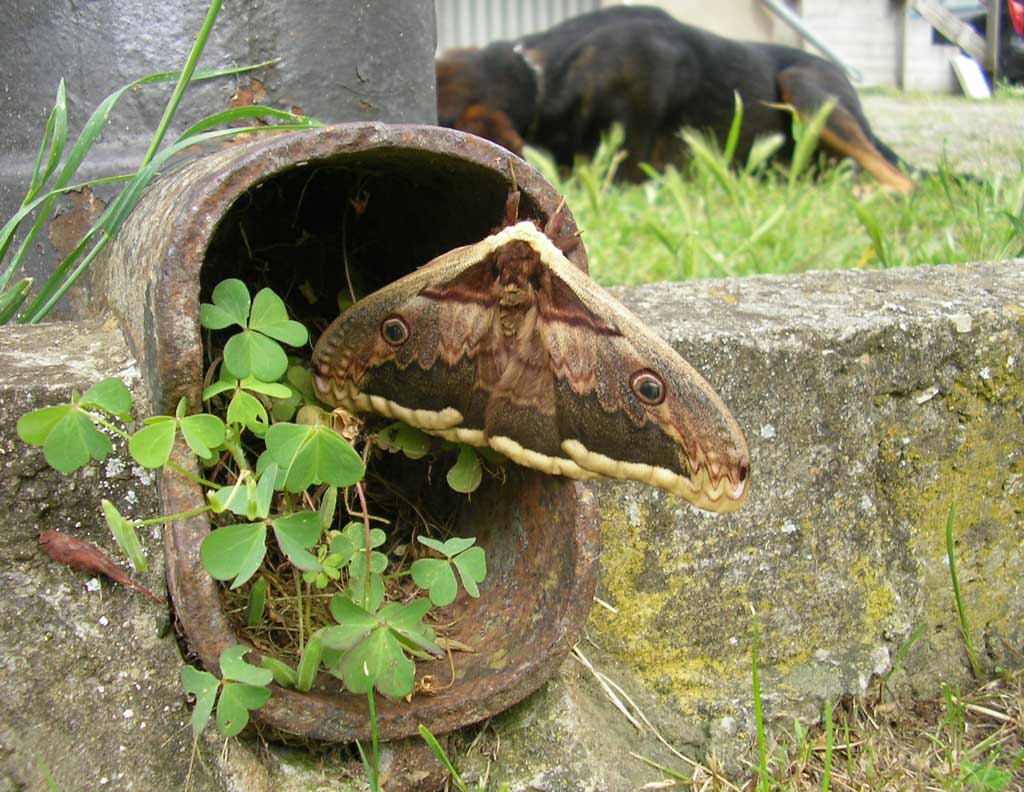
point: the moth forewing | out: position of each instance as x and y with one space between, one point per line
466 344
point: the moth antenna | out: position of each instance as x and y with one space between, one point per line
553 229
511 208
511 216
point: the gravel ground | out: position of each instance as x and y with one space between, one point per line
981 137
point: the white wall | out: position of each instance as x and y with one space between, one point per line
748 20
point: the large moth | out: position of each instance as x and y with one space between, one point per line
504 343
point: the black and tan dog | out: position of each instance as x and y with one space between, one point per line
639 66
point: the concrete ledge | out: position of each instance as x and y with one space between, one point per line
869 399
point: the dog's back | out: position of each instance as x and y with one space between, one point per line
638 66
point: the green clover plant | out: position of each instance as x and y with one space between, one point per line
279 465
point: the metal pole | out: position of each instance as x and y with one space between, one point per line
992 25
795 22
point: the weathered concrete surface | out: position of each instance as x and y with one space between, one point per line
869 400
89 675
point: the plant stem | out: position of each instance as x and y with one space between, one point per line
101 421
298 601
826 773
964 627
762 755
366 541
374 756
166 518
192 476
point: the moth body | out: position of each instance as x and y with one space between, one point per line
505 344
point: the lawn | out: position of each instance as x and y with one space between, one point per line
706 219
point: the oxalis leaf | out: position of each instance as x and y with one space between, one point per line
125 535
246 410
472 566
435 575
73 441
110 395
379 662
151 446
270 317
233 666
234 551
296 532
313 455
203 433
466 475
203 686
251 353
236 700
230 306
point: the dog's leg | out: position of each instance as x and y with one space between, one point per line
842 135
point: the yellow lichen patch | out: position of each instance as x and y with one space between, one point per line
879 596
981 472
654 630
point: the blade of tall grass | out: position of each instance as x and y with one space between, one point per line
113 217
707 159
55 138
965 628
763 782
806 133
12 299
83 144
183 80
826 773
763 149
733 139
874 231
246 113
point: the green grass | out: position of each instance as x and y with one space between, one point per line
708 220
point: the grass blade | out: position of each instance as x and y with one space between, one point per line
732 141
183 80
762 753
806 133
964 627
245 113
709 160
55 137
70 269
11 300
826 773
442 757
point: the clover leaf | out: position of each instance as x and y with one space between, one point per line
465 476
67 433
254 351
110 395
437 576
313 455
203 685
125 535
374 647
151 446
236 700
270 317
230 306
234 551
